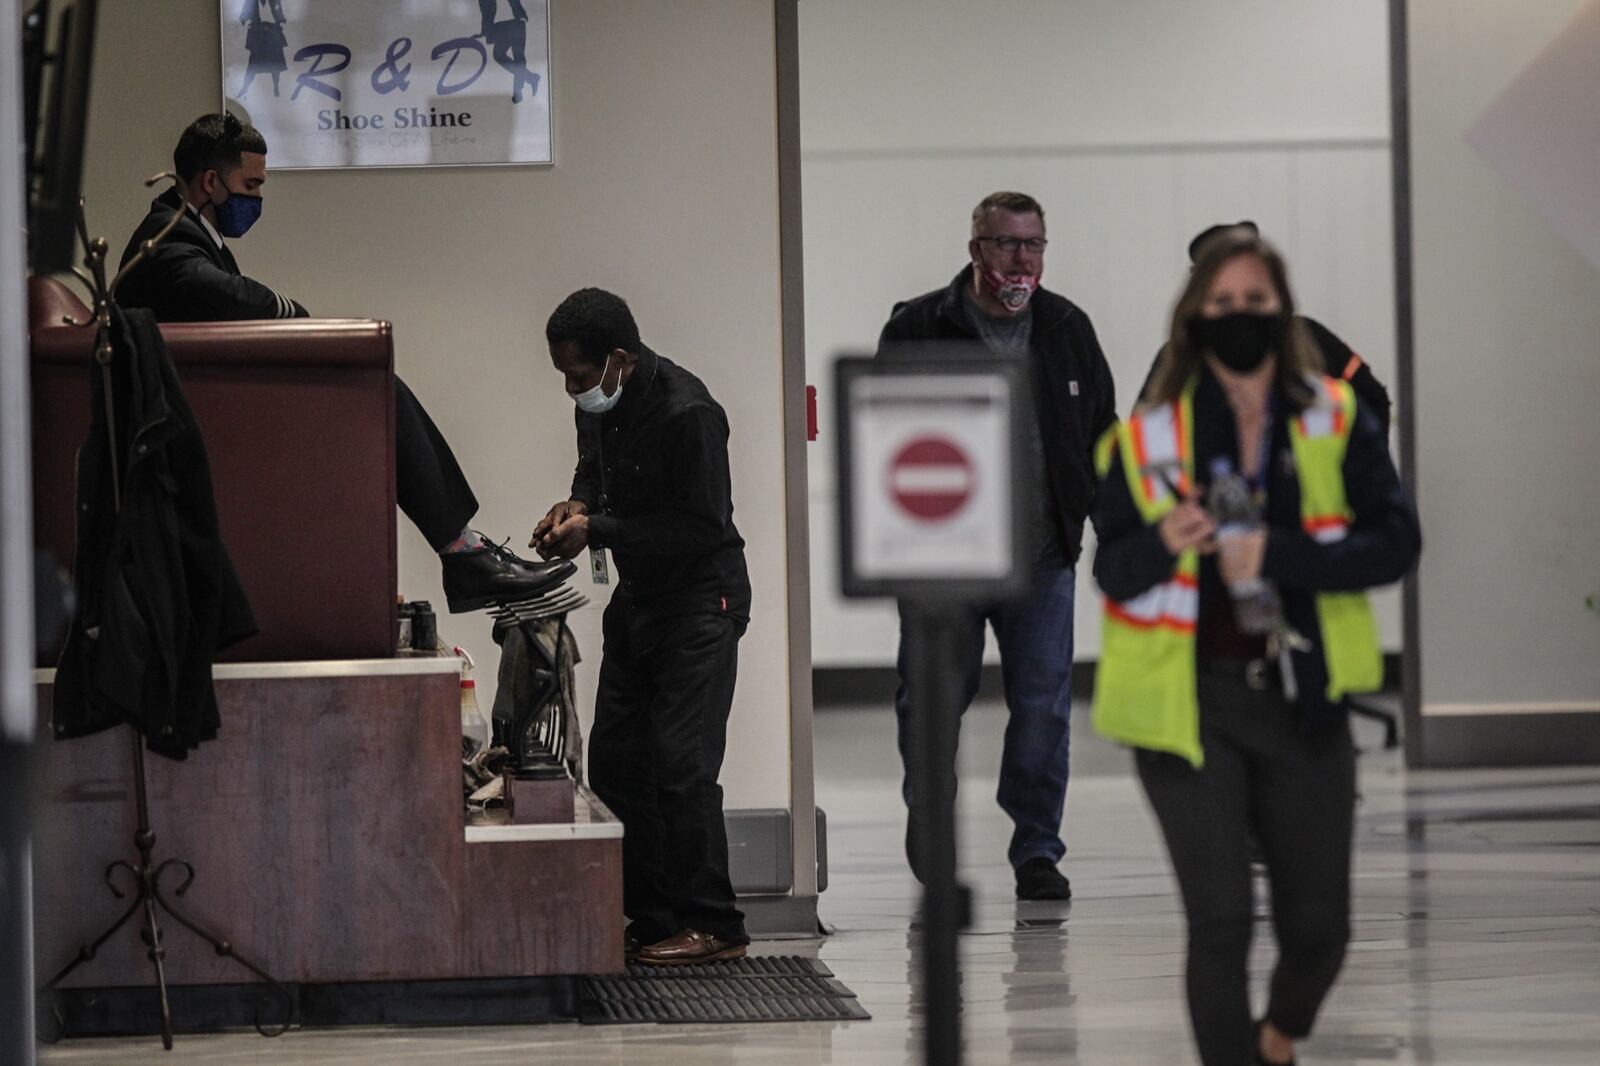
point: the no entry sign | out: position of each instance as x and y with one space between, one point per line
930 476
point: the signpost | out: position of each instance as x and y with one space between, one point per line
933 471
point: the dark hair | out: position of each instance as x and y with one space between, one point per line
215 142
1180 359
1018 203
595 320
1209 232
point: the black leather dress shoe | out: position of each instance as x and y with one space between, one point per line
1038 878
514 559
478 577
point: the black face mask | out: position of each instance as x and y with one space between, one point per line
1241 340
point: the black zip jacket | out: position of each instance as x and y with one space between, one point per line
1072 387
187 278
1338 361
1383 542
653 472
157 594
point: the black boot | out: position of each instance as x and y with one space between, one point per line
478 577
1038 878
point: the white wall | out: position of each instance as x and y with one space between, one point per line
1508 368
1136 124
664 189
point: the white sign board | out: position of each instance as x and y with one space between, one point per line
390 83
931 478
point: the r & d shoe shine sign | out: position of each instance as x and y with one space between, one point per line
390 83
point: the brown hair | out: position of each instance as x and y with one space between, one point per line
1018 203
1180 359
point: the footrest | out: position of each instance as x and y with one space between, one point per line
754 989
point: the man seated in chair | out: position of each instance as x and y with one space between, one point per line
191 276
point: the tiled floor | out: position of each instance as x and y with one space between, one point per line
1477 935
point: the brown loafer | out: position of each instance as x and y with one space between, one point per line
690 946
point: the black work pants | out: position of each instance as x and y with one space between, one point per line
429 484
1294 791
655 750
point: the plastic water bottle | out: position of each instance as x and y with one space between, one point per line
1255 602
474 726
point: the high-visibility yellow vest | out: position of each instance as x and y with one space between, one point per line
1145 685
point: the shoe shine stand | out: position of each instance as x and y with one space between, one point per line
148 895
538 787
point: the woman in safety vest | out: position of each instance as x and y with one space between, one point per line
1243 508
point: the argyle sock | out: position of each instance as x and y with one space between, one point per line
468 540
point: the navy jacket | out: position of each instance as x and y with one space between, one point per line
187 278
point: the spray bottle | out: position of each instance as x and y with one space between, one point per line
474 726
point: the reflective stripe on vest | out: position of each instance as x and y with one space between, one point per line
1145 683
1145 693
1319 437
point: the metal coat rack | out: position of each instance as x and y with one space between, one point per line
149 897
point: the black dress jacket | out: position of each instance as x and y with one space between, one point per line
1072 387
188 278
653 472
157 594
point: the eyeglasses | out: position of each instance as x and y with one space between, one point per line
1008 245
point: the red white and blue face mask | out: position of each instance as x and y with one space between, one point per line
1012 290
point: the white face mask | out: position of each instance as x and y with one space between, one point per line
595 401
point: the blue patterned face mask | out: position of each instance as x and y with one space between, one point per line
237 213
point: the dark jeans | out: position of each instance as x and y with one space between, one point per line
660 727
1295 792
1035 638
429 484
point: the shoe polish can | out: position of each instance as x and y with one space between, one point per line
424 628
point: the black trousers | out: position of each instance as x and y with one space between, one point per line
429 484
660 728
1295 793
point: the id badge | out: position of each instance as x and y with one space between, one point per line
599 570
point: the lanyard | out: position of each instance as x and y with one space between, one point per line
1256 480
622 432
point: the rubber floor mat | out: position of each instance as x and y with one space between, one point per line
773 988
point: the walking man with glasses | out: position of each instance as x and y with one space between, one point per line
996 300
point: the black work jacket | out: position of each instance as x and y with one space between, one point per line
1339 360
1072 387
653 472
1383 542
157 594
187 278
